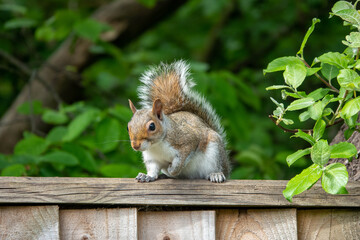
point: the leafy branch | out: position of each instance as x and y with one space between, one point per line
317 106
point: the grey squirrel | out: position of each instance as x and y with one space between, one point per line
177 130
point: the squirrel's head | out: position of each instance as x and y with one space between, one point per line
146 126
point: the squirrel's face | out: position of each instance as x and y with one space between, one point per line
145 128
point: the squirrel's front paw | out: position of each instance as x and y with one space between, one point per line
142 177
218 177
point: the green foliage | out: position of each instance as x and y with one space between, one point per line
227 44
318 106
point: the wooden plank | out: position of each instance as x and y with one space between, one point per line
175 192
176 225
269 224
114 223
329 224
32 222
314 224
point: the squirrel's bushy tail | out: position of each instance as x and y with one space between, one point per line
171 83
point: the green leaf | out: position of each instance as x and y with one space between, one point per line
119 170
280 105
19 23
24 159
13 8
334 58
312 71
34 107
73 107
275 87
319 129
296 155
58 26
300 104
303 181
15 170
32 145
285 93
316 110
343 150
352 40
318 93
287 121
60 157
335 178
351 108
56 134
295 74
351 122
348 79
341 5
349 15
280 64
304 116
54 117
329 71
85 158
320 152
79 124
304 136
307 35
90 29
348 133
107 134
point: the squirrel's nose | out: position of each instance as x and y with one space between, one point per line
136 146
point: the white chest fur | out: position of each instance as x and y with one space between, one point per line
162 153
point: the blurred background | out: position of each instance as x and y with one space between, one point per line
80 129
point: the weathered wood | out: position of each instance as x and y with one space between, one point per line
328 224
244 193
116 223
269 224
27 223
177 225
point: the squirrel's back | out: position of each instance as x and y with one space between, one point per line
172 84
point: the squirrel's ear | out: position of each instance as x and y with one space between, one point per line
132 107
157 108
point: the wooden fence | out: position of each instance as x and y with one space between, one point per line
98 208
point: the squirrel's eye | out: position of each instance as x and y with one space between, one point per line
152 126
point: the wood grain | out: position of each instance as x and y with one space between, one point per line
28 223
333 224
244 193
177 225
84 224
244 224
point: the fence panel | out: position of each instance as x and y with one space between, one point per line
176 225
328 224
269 224
98 224
29 222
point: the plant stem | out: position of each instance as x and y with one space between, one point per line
319 77
304 130
339 107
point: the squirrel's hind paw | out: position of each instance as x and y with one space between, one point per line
216 177
142 177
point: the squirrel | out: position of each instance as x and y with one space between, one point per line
177 130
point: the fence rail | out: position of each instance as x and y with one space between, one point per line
99 208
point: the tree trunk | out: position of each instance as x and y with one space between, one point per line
353 167
128 19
